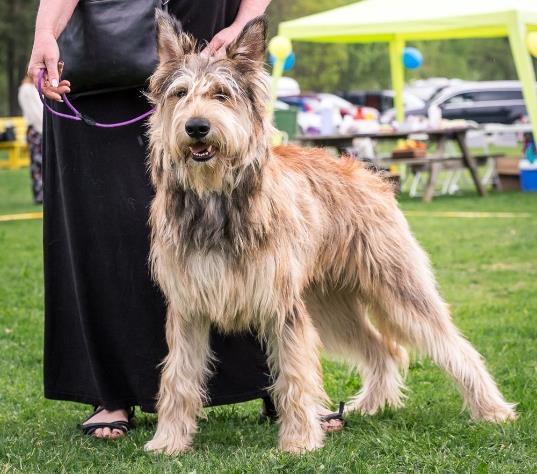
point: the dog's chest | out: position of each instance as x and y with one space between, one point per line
212 258
230 293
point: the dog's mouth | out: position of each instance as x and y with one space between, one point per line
202 152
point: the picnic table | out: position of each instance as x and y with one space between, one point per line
436 161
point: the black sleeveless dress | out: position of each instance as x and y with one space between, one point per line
104 317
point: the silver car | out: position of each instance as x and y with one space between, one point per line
481 102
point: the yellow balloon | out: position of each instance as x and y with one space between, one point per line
280 47
532 43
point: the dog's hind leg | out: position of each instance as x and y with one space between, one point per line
346 332
407 302
293 356
181 394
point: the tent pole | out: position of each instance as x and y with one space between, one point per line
524 66
397 46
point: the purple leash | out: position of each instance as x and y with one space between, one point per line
79 117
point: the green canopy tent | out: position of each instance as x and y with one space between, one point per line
399 21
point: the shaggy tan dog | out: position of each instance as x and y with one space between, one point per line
303 248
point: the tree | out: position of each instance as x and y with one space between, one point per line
16 31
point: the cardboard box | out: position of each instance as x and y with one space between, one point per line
509 173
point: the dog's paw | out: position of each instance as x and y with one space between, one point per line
303 442
299 447
498 414
167 446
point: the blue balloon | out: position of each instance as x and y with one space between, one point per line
289 61
412 58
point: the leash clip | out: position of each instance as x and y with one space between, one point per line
87 120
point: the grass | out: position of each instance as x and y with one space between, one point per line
487 271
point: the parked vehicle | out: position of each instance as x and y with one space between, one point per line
313 102
426 89
279 105
481 102
343 106
303 102
287 86
313 105
381 100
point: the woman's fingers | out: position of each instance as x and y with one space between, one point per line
51 63
49 94
55 93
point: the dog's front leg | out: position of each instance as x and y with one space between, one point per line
293 349
181 393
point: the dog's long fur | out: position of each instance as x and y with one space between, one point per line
303 248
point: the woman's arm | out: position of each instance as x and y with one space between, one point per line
52 17
248 10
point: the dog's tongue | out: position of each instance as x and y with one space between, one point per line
199 148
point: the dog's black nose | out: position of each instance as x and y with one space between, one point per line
197 127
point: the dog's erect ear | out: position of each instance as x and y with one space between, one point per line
250 45
172 41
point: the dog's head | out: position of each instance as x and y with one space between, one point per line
211 114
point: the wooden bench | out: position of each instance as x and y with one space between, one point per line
452 164
480 159
17 150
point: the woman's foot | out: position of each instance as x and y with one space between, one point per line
107 416
331 425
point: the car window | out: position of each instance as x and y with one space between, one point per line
463 98
484 96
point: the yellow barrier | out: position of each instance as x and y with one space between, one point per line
17 150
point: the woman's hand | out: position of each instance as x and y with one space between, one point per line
248 10
46 55
221 40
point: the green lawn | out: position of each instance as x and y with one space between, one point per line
487 270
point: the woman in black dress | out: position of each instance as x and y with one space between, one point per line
104 317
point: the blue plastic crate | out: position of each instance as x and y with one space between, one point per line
528 175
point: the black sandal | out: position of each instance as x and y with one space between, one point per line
121 425
338 415
269 413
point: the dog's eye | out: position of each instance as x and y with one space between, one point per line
181 93
221 97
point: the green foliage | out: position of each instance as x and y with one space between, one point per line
17 19
474 59
368 67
